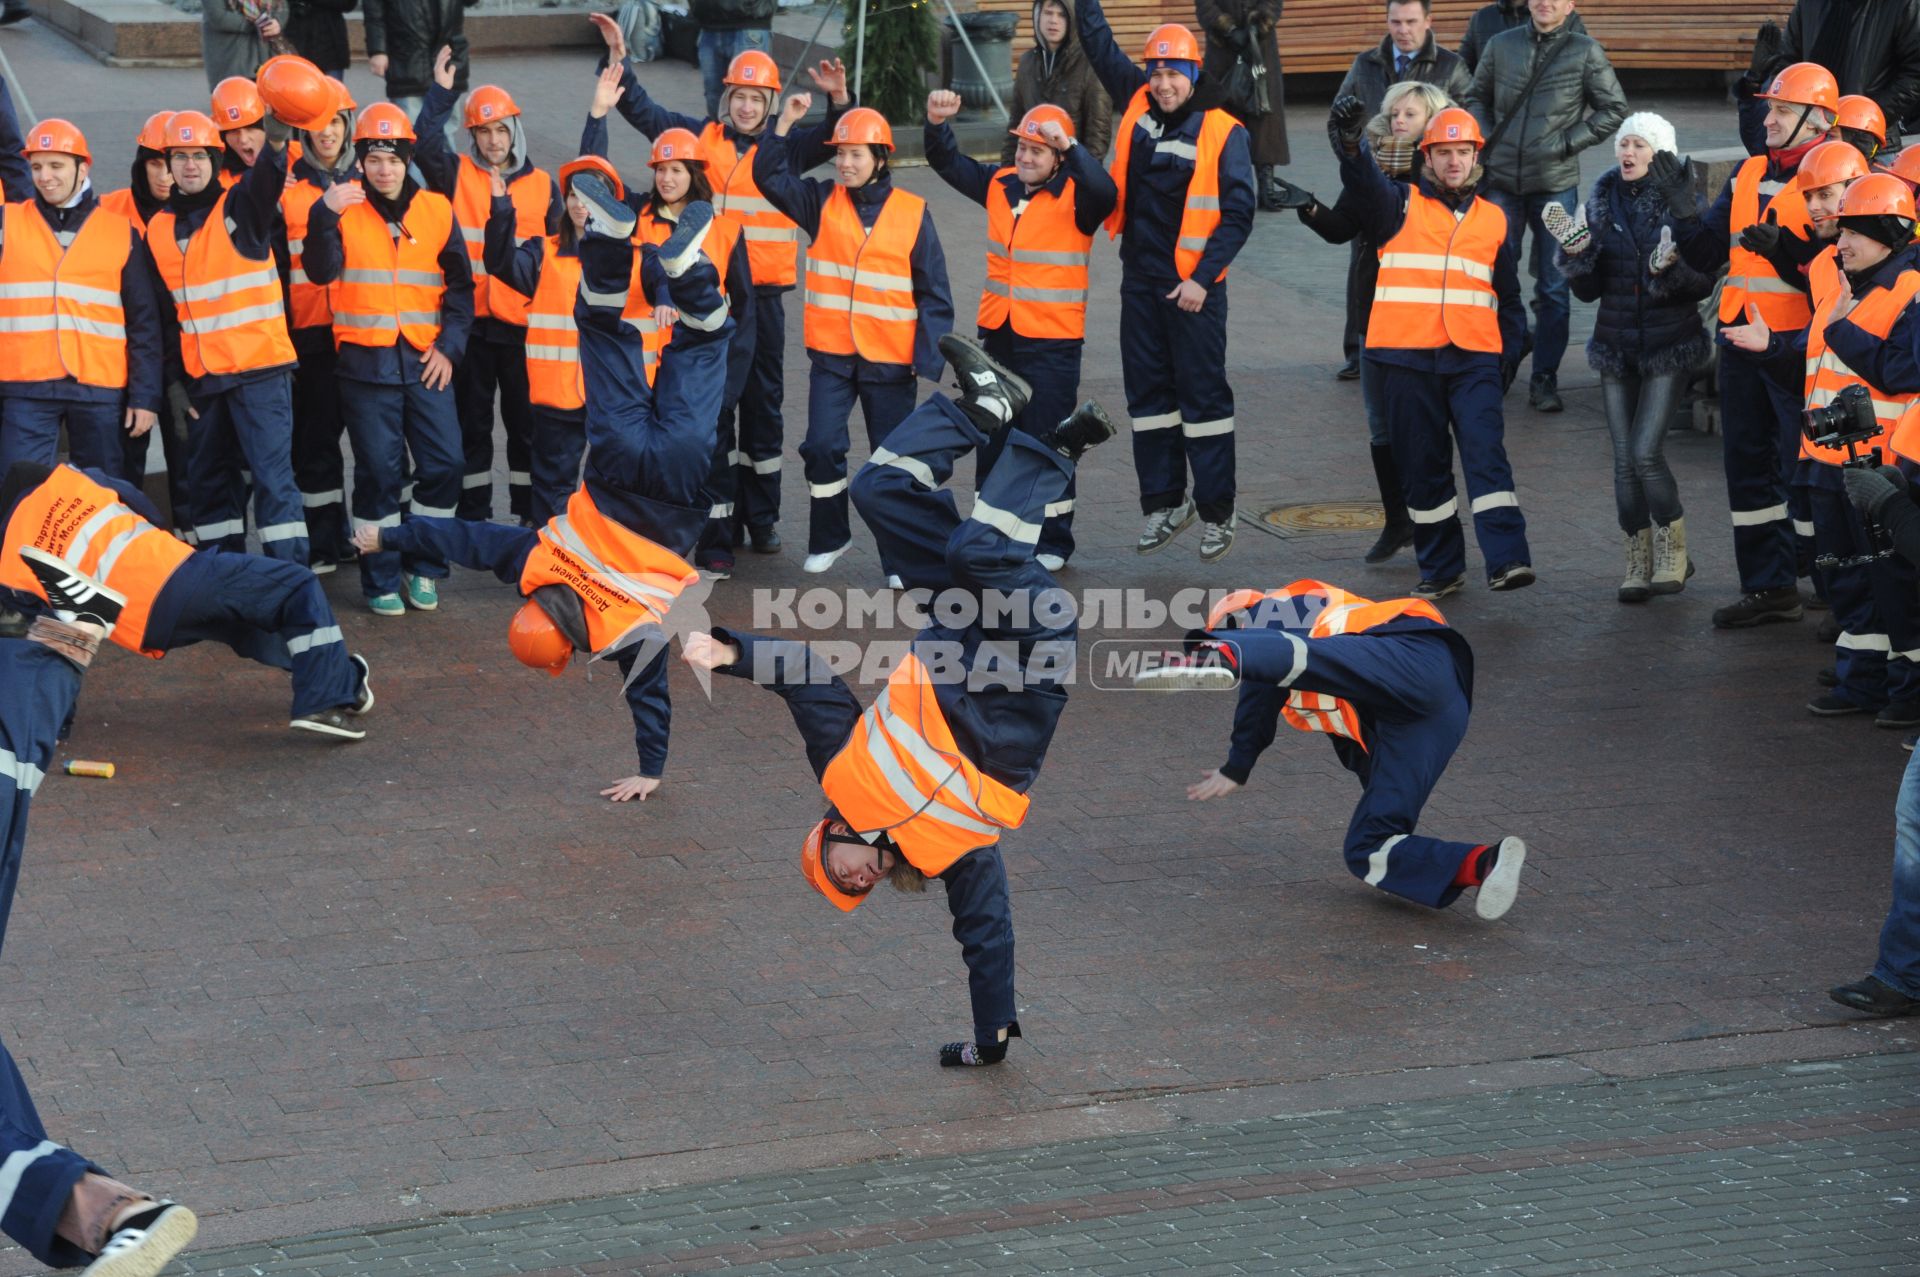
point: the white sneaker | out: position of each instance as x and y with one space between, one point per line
821 562
1217 538
143 1252
1051 562
1163 526
1503 884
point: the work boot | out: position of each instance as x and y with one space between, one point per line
1088 427
1431 588
1163 526
1875 997
990 393
1637 586
1671 566
1217 538
74 595
1543 392
607 213
1759 608
1514 576
144 1243
1397 535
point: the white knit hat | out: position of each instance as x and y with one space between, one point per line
1649 128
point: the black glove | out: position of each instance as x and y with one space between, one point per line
962 1055
1240 38
1672 177
1762 237
1347 120
1768 42
1871 489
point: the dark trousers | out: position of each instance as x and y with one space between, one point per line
761 428
30 431
1175 370
884 401
319 464
171 434
1760 434
248 425
1874 603
388 425
1054 373
559 443
492 365
1639 410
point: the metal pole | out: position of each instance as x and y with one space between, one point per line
25 112
859 47
979 66
793 71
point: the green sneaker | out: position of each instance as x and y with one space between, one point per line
386 605
422 593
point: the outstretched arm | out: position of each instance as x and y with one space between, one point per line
824 708
15 179
983 924
652 711
1118 75
484 547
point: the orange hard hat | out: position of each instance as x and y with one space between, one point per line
677 144
537 642
298 91
1805 84
57 137
237 103
1906 165
1029 126
343 96
1828 163
813 863
192 131
489 104
1879 194
1454 124
863 126
153 134
1863 113
591 164
383 122
1171 41
752 69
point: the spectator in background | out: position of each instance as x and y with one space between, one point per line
230 41
1871 46
1543 93
1492 20
728 28
1408 53
318 29
1055 70
404 38
1234 28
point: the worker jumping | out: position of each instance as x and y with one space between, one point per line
1391 684
922 783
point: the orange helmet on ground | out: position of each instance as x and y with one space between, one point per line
676 144
298 91
1029 127
591 164
383 122
863 126
537 641
1863 113
1805 84
1878 195
153 134
192 131
1455 124
1828 163
1171 42
57 137
237 103
813 863
489 104
343 96
752 69
1906 165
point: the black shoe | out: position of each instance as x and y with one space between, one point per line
1431 589
959 1055
1394 538
1349 371
1760 608
145 1242
1088 427
985 383
71 591
1827 678
688 231
12 15
1514 576
607 213
1875 997
1898 715
330 722
765 540
1834 705
1828 631
1543 393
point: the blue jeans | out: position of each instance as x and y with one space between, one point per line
1549 285
717 49
1899 964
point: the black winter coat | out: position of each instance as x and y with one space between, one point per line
1882 57
1266 136
318 29
1492 19
1371 74
1647 323
410 33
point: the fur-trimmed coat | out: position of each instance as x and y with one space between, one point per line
1648 323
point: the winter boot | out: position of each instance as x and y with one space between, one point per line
1397 535
1671 566
1637 586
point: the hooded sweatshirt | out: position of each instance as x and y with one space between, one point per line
1063 77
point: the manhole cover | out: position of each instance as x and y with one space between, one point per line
1326 516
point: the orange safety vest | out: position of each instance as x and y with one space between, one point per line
1344 613
309 305
1827 376
1436 279
860 283
1750 277
624 579
532 196
773 238
123 203
1039 283
61 313
85 523
1201 215
554 379
232 319
901 772
723 233
391 288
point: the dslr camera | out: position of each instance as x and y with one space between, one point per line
1846 423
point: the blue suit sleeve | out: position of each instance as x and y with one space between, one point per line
983 924
146 364
516 262
456 304
637 107
807 144
960 171
1256 719
556 206
1094 194
651 707
1891 363
484 547
799 198
1752 115
438 164
1704 241
1375 200
1238 201
593 137
16 179
1116 70
325 254
254 204
824 708
934 295
1513 311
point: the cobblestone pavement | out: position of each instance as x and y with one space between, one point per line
309 988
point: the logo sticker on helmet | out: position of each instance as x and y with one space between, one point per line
46 140
1162 47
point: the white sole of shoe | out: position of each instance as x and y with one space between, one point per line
327 729
366 685
1207 678
1497 893
1051 562
171 1234
817 563
324 567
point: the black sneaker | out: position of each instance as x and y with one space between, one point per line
1431 589
1349 371
607 213
1514 576
1834 705
1875 997
1543 393
1088 427
365 703
1394 538
334 722
765 540
688 232
1760 608
1898 715
72 591
985 382
145 1243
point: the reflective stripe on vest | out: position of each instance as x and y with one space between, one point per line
773 239
532 196
1201 215
309 305
625 580
85 523
554 379
61 314
859 295
1750 277
902 772
1036 264
1436 279
229 306
1875 314
392 287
